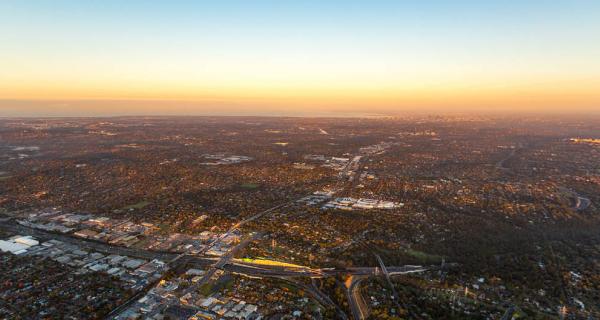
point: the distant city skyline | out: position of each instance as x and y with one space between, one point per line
71 58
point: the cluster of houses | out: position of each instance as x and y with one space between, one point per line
125 233
376 148
347 203
314 199
216 307
167 300
221 158
135 273
335 163
152 305
303 166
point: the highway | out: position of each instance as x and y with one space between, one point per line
138 295
582 203
341 314
225 260
357 303
225 263
220 263
579 203
319 296
180 262
103 247
387 277
395 296
280 271
513 152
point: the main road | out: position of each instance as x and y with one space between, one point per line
99 246
225 262
357 304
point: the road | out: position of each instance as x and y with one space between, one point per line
387 277
358 306
508 315
280 271
176 261
225 262
395 295
219 264
341 314
138 295
319 296
14 227
513 152
582 203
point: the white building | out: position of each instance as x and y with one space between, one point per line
27 240
13 247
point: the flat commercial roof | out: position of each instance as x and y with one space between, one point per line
27 241
12 247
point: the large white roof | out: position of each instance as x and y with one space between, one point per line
12 247
27 241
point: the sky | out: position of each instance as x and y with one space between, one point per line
80 58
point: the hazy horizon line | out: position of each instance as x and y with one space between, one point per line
103 108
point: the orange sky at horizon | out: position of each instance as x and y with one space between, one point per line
577 96
195 57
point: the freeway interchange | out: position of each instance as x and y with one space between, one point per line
227 262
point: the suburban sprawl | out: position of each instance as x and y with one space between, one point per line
420 217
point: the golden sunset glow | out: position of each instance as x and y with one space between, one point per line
381 57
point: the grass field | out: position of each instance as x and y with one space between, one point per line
423 256
139 205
